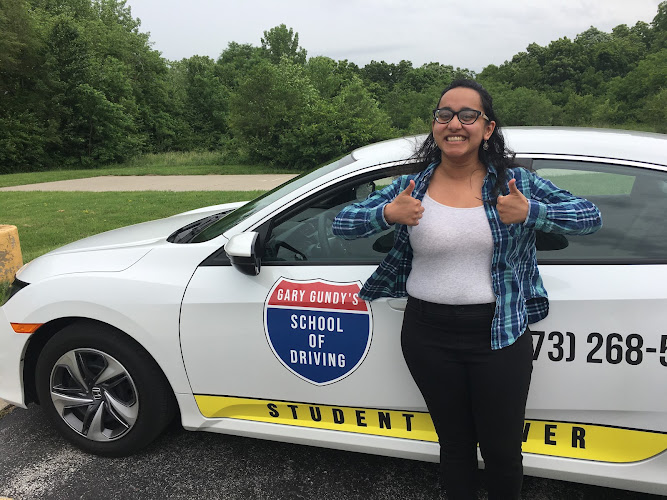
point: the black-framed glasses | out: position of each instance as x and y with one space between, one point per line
466 116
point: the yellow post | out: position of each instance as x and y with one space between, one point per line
10 252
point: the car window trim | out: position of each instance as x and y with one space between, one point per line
601 262
594 159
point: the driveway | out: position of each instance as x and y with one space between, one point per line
161 183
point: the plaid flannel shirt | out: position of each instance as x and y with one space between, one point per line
521 298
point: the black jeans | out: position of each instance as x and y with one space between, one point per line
474 394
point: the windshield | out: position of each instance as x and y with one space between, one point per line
252 207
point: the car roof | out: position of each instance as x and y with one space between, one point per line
626 145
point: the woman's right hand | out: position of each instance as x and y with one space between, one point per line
404 209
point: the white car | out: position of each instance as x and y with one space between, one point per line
245 319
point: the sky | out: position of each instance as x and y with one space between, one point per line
467 33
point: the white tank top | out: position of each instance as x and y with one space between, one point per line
453 250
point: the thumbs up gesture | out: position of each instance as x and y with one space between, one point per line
513 208
404 209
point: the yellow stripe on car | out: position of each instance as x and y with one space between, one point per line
559 439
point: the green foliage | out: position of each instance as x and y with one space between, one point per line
654 111
84 82
22 142
81 87
647 79
350 120
270 105
522 106
597 79
405 105
280 42
279 116
658 39
329 76
24 134
235 62
203 106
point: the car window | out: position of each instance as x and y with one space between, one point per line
216 229
632 201
304 235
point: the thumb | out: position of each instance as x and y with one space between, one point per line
513 188
408 190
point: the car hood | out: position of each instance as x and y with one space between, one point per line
114 250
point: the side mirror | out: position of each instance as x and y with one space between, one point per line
243 252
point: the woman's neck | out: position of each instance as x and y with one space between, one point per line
460 170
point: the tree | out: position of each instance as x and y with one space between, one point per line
381 77
24 131
236 61
329 76
522 106
655 111
359 119
580 110
403 106
632 91
206 102
659 25
350 120
281 42
270 104
69 66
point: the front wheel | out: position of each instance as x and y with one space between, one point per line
103 392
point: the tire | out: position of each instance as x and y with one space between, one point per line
102 390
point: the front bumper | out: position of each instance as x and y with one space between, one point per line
12 351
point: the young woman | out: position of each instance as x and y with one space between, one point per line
464 254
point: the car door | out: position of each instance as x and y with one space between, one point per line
598 383
295 341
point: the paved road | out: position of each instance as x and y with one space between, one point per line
161 183
35 463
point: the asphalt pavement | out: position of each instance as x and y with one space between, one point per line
37 464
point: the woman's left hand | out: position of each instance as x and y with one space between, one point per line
513 208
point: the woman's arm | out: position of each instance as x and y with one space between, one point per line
367 217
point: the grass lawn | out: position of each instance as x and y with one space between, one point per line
47 220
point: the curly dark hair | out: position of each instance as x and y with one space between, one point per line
497 155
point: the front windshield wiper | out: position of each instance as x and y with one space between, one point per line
187 233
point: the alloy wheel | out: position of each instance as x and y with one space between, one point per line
94 394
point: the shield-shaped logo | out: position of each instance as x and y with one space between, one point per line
319 330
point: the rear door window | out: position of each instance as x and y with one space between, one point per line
633 204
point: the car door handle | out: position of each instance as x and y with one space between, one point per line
397 304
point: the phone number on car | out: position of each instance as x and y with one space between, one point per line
613 348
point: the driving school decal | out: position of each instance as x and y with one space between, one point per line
319 330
